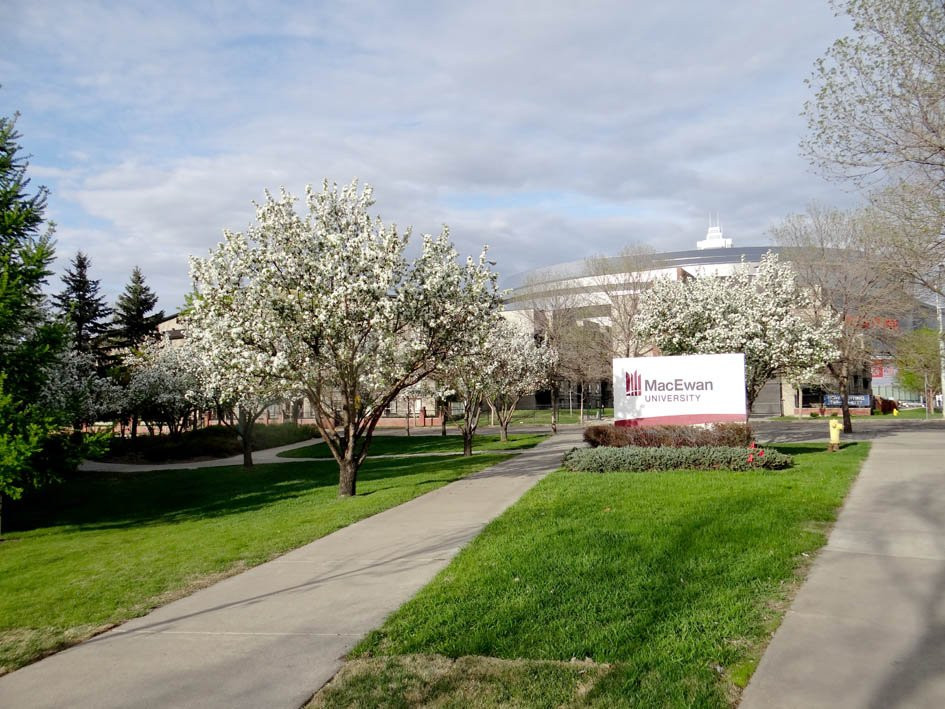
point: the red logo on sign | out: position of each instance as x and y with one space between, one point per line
634 384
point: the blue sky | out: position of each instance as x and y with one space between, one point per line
550 131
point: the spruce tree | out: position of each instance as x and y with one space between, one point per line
82 305
30 340
133 323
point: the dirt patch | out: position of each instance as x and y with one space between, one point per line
476 682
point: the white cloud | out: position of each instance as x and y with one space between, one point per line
550 131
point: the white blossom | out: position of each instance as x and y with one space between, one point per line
164 387
760 315
516 366
328 303
73 386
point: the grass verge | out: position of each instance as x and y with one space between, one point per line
910 414
543 416
414 445
104 548
672 580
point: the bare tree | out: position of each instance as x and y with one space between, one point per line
835 256
917 362
551 303
586 355
879 102
911 216
619 282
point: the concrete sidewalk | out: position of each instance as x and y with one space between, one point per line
272 635
867 628
268 455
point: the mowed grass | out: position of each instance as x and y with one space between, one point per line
916 413
103 549
543 416
668 583
415 445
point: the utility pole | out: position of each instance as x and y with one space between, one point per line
941 349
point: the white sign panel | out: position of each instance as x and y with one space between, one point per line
685 389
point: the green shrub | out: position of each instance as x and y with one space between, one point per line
718 434
639 458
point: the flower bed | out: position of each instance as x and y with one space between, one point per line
605 459
719 434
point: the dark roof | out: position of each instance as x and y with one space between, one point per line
671 259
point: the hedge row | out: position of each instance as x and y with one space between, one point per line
637 458
718 434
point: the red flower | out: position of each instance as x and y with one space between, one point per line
752 445
751 458
761 452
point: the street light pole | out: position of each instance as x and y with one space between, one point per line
941 348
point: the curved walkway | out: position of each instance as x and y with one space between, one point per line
269 455
271 636
867 628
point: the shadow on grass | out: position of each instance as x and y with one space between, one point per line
109 501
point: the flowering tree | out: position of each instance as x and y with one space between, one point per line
466 377
836 260
519 365
164 388
74 388
328 302
232 382
760 315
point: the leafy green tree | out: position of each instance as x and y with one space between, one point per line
83 306
917 358
30 339
134 320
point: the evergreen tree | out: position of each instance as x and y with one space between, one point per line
30 340
133 323
81 305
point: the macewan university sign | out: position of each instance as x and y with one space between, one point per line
679 390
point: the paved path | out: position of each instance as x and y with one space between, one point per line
867 628
272 635
269 455
866 428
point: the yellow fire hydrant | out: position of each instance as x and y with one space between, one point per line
835 427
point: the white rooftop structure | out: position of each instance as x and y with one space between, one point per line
713 238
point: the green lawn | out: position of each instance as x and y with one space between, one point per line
668 584
543 416
103 549
903 414
918 413
412 445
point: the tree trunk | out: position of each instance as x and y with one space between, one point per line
247 453
555 392
471 412
246 438
443 411
134 427
504 431
348 474
581 409
844 399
